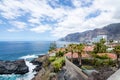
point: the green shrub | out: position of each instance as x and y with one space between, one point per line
102 56
87 67
87 61
98 62
107 62
59 54
58 63
51 59
112 62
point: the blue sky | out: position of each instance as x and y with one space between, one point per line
33 20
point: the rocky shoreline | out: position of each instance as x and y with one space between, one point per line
16 67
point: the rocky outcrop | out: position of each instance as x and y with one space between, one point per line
16 67
38 63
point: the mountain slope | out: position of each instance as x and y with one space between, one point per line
112 31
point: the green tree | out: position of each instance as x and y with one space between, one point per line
53 46
79 49
100 47
111 41
71 48
117 52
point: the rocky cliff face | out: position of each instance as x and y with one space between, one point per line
112 31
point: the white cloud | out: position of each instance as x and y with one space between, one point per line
41 29
75 21
69 20
34 20
12 30
18 24
10 9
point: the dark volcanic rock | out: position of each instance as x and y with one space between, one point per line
38 63
16 67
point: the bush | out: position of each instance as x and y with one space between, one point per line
58 63
102 56
59 54
107 62
87 61
112 62
98 62
87 67
51 59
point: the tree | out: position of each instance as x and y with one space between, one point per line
71 49
117 52
111 42
53 46
79 49
100 47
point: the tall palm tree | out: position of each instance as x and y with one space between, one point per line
79 49
117 52
70 48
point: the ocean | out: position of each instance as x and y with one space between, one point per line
27 50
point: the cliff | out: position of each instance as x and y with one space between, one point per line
112 31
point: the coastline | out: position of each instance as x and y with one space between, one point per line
28 75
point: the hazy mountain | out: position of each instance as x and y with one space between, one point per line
112 31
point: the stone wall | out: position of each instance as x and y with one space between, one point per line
73 72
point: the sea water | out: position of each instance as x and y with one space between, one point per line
27 50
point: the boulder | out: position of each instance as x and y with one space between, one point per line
16 67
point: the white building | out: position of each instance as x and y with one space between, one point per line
99 37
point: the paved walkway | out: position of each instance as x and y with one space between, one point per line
115 76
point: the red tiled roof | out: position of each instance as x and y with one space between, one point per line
89 48
110 55
75 55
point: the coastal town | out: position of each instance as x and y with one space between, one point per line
59 39
81 61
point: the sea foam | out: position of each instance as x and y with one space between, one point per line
27 76
29 57
30 74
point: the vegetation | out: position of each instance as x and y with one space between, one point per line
52 58
96 61
71 48
60 54
79 49
100 62
58 63
100 47
102 56
88 67
117 52
53 46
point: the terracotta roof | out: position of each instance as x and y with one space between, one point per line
89 48
60 49
75 55
110 55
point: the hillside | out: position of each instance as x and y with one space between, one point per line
112 31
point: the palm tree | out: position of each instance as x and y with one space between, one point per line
70 48
79 49
117 52
100 47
